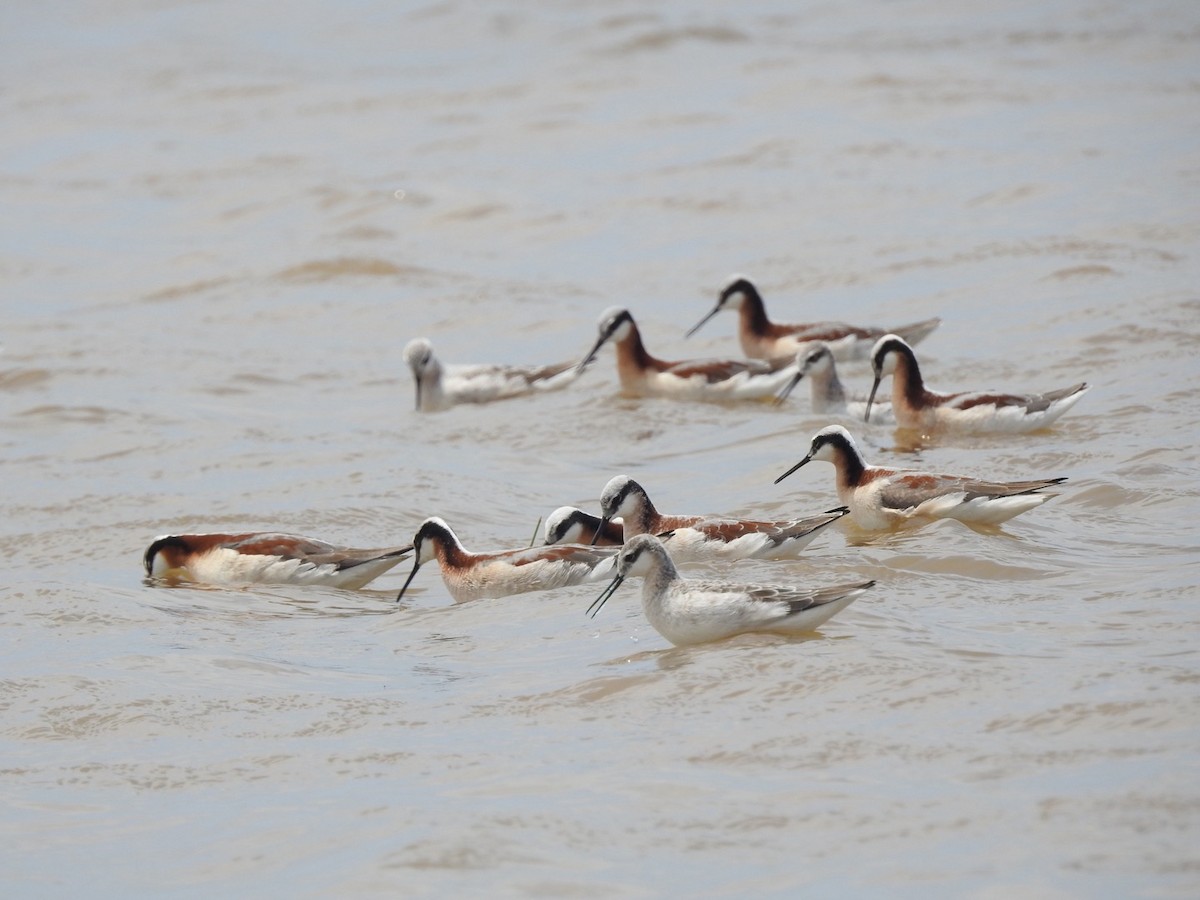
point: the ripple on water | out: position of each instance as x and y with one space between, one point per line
265 602
349 266
73 415
19 379
973 566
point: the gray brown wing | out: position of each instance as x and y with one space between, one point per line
1008 488
1030 403
909 491
290 546
800 599
528 374
287 546
713 370
542 373
776 532
1040 402
801 527
567 553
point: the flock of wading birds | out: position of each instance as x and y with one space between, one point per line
631 537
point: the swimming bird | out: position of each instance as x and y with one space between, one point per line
763 339
569 525
881 498
915 406
816 363
702 538
694 611
440 388
265 558
471 576
713 379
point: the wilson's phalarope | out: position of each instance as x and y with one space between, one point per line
440 388
717 379
917 407
828 396
569 525
471 576
764 339
701 538
265 558
693 611
881 498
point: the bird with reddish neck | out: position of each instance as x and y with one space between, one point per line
917 407
881 498
642 374
265 558
571 525
763 339
695 538
474 576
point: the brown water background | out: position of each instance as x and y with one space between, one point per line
223 221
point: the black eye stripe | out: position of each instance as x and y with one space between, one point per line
616 321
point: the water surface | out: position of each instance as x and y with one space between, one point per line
224 224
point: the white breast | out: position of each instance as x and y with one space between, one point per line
742 386
224 566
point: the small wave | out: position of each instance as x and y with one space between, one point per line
322 270
18 379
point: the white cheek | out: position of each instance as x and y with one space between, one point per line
639 567
160 568
824 453
627 508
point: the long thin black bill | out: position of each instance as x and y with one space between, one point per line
696 327
591 353
787 389
871 399
802 462
599 531
408 581
604 595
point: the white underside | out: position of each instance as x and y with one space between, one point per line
743 386
497 578
688 545
855 410
483 384
985 418
694 612
867 512
979 510
842 349
225 566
